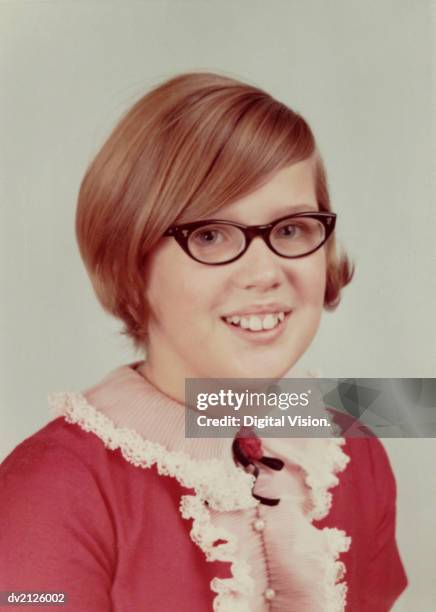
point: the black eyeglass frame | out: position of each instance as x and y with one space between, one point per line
182 232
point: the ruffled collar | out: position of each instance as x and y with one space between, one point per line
151 413
125 401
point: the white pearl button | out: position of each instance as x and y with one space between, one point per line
269 594
259 525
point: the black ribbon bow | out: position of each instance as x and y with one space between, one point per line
271 462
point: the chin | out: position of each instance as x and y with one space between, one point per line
259 368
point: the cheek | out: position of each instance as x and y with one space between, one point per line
316 286
165 285
181 295
309 282
169 299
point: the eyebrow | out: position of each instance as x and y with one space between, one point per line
280 211
296 208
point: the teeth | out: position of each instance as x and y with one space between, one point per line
257 322
269 321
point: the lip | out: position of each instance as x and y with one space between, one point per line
265 336
254 309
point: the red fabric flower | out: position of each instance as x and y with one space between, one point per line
250 444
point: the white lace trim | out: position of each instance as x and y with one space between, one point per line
335 586
323 476
232 593
320 479
225 487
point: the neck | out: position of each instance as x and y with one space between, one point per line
165 379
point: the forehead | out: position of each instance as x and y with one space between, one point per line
291 189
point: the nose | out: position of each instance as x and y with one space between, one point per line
259 267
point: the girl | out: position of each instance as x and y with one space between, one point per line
205 225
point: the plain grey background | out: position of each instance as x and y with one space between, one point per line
362 73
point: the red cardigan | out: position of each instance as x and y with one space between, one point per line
76 517
68 503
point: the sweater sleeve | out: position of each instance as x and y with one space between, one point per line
56 534
385 578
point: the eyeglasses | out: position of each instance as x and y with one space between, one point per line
217 242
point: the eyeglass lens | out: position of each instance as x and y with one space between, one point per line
218 242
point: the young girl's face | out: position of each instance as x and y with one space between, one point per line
189 336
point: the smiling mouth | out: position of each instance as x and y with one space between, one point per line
257 323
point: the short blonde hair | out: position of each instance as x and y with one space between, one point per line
190 146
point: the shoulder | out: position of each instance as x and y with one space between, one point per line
62 485
369 472
364 448
61 463
50 468
54 446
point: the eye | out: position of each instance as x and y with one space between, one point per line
206 236
298 235
290 230
216 242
